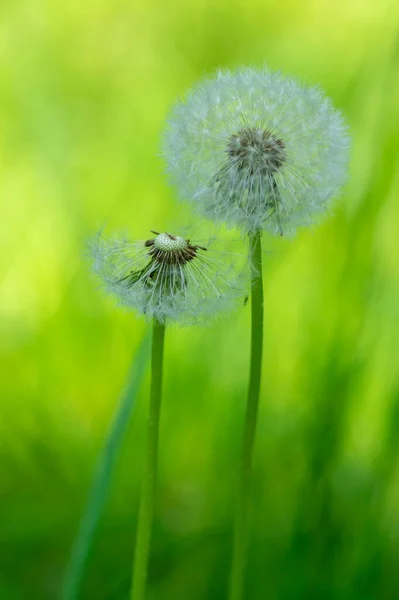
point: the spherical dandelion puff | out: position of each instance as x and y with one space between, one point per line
257 150
168 277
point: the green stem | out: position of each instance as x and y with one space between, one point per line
148 490
244 489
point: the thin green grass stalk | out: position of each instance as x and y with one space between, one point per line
103 475
147 500
242 518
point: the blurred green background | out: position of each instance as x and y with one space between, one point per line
84 91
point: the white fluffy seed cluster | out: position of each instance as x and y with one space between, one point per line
257 150
170 278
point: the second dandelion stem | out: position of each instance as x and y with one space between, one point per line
244 488
147 499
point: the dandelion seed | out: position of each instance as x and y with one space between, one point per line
256 149
168 277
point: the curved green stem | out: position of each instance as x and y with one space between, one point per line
148 490
244 488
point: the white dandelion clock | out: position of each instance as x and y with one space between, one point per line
257 150
168 277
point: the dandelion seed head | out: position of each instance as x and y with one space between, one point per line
164 242
169 277
257 150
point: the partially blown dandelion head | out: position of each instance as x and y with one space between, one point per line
168 277
257 150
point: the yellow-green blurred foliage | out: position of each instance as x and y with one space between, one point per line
84 91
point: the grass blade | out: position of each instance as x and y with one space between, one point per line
103 475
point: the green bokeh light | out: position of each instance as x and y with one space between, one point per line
84 92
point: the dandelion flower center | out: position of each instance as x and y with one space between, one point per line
256 150
173 250
169 243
